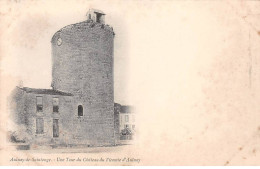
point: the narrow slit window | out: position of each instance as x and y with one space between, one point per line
80 110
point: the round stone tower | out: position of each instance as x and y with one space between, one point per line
82 64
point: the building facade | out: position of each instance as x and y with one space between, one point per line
127 118
79 109
126 121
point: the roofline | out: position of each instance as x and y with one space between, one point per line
56 94
100 13
89 21
96 11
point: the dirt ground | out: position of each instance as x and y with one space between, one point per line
49 150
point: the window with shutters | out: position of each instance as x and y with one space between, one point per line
126 118
39 106
55 105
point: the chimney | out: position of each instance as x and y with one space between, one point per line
96 15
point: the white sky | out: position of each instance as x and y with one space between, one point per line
30 30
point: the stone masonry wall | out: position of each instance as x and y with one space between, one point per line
64 116
83 66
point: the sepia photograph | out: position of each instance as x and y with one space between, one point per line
129 83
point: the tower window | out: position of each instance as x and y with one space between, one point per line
39 103
80 110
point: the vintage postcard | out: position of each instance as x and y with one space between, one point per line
128 83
